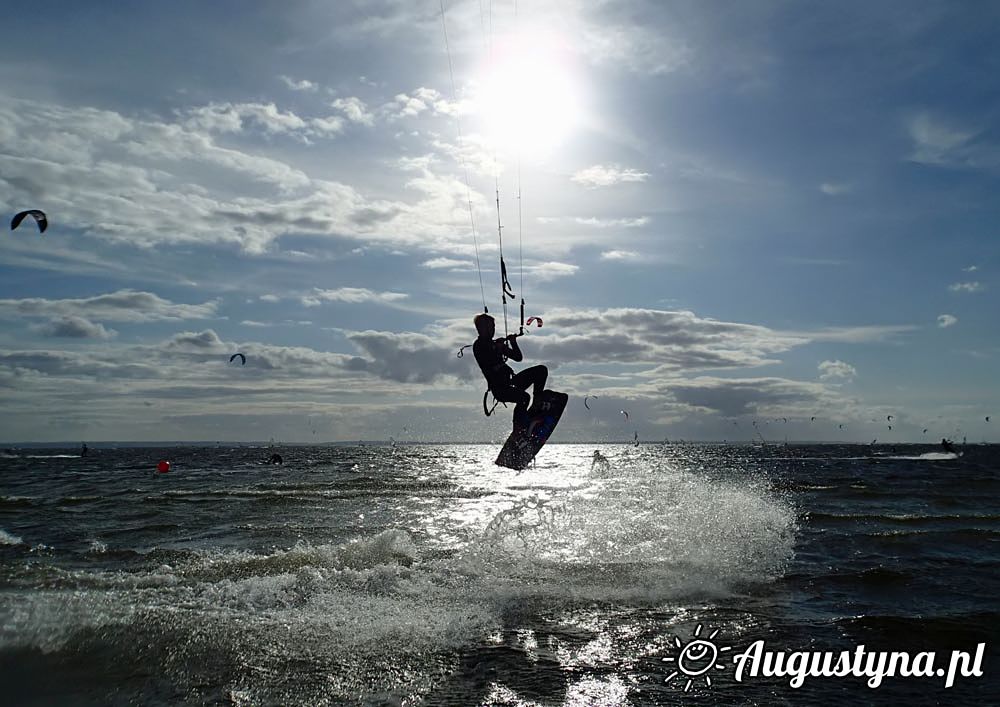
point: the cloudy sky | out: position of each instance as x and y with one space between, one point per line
724 213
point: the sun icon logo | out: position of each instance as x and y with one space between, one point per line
697 658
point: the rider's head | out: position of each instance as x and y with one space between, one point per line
485 325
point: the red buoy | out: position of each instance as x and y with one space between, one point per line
163 467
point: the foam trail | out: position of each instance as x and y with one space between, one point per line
9 539
653 531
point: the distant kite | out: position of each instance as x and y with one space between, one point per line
812 419
534 319
888 418
624 413
587 397
925 431
39 216
987 418
889 426
242 358
841 426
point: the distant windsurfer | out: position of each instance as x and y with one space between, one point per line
948 446
599 460
506 386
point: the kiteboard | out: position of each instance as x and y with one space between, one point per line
525 441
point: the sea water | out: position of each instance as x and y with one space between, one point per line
424 574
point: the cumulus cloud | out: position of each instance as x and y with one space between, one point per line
120 306
660 343
748 396
74 327
355 110
613 222
416 164
449 263
198 341
408 357
668 340
946 320
836 370
146 182
967 287
619 255
352 295
971 268
236 117
423 99
604 176
302 85
551 270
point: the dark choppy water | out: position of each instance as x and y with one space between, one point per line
425 575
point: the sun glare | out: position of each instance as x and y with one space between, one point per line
528 98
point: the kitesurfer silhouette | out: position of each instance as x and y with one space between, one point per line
492 354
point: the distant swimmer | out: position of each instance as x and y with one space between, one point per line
948 446
599 460
275 459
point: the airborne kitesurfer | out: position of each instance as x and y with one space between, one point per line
506 386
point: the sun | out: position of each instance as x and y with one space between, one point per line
528 96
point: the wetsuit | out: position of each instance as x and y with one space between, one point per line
507 387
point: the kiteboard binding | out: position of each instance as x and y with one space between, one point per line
533 430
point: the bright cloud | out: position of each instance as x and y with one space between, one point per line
619 255
837 371
967 287
73 327
236 117
120 306
605 176
449 263
353 295
355 110
946 320
302 85
551 270
613 222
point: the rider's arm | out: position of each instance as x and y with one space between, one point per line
514 351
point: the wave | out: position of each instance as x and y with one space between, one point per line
17 501
901 518
962 630
9 539
929 456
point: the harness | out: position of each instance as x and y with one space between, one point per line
487 408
